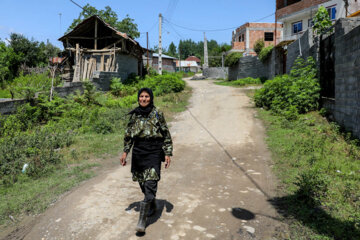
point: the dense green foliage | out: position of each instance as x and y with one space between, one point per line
25 86
318 165
291 94
9 62
242 82
38 130
215 50
171 50
259 45
232 59
321 20
126 25
22 52
265 53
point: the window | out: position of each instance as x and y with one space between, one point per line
332 12
297 27
269 36
310 23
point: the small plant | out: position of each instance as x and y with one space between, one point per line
259 45
322 21
232 59
265 53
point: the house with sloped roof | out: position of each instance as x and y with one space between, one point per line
187 66
96 50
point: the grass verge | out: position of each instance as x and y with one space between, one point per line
319 167
241 82
82 160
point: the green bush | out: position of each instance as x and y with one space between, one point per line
25 86
39 149
298 92
246 81
265 53
232 59
312 186
259 45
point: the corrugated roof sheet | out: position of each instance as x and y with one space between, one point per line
163 56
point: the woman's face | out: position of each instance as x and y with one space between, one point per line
144 99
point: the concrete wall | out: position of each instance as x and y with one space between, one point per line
305 46
8 106
126 64
251 66
216 72
69 88
102 80
347 74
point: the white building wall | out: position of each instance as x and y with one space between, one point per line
306 14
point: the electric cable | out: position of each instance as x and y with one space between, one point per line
213 30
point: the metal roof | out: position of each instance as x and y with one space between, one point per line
163 56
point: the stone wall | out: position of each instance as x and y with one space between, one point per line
216 72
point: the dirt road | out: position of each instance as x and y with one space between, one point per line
216 188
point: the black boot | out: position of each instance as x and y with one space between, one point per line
153 207
144 208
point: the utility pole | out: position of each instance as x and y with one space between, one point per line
179 58
160 47
206 61
147 50
60 23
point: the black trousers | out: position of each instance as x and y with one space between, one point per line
149 188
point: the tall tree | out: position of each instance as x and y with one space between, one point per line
126 25
9 62
172 50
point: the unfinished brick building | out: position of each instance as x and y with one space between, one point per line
297 15
245 36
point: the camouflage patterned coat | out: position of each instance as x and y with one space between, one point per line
153 126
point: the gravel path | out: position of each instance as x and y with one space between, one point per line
216 188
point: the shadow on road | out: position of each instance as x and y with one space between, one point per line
161 204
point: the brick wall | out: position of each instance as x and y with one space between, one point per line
282 12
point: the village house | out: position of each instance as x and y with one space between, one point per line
297 15
194 58
187 66
168 62
94 49
245 36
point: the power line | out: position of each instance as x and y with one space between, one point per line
80 7
214 30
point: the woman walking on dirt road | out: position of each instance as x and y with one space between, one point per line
149 135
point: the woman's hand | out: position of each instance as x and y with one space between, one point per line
167 161
123 159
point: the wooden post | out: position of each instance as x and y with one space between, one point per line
77 66
102 62
96 31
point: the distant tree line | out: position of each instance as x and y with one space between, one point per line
190 48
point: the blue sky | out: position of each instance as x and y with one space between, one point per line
40 19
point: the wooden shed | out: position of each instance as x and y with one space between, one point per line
94 47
